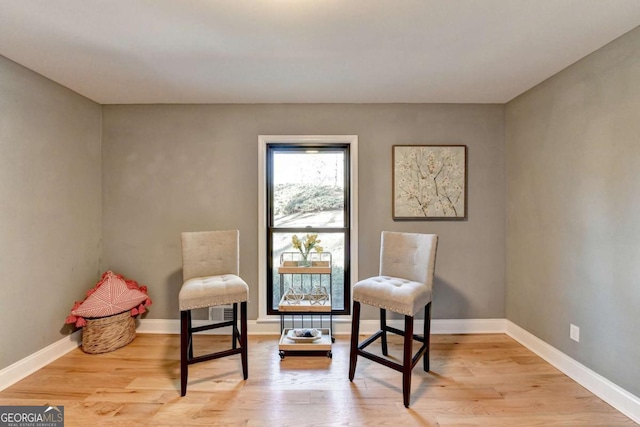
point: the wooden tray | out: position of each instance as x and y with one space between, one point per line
304 306
317 267
323 344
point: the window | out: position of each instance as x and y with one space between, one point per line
308 193
307 188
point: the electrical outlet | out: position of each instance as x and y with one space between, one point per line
574 333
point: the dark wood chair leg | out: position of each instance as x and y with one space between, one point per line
184 351
234 328
427 336
383 328
189 335
355 329
406 360
243 339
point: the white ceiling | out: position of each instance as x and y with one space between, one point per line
272 51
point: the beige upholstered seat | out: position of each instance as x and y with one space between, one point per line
210 266
393 293
407 264
210 291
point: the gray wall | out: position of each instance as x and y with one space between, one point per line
174 168
573 208
51 213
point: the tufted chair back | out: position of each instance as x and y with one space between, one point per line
210 253
409 256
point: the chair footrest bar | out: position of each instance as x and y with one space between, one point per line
418 355
400 332
370 340
388 363
213 326
394 330
212 356
380 360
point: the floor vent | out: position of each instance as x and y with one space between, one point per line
221 313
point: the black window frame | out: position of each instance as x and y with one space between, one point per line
345 229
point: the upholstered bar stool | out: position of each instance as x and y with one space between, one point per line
210 266
407 264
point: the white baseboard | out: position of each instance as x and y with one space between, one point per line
172 326
466 326
611 393
27 366
341 326
614 395
439 326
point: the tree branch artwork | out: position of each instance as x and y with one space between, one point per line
429 182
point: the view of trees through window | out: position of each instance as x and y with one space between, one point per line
307 196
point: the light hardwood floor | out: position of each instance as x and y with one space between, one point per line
475 380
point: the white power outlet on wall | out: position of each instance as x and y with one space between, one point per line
574 333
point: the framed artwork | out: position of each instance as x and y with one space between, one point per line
429 182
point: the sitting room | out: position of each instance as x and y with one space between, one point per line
418 213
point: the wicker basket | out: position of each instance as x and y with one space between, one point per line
104 334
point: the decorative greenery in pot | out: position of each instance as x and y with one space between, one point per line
310 241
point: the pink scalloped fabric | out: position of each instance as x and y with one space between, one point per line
112 295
